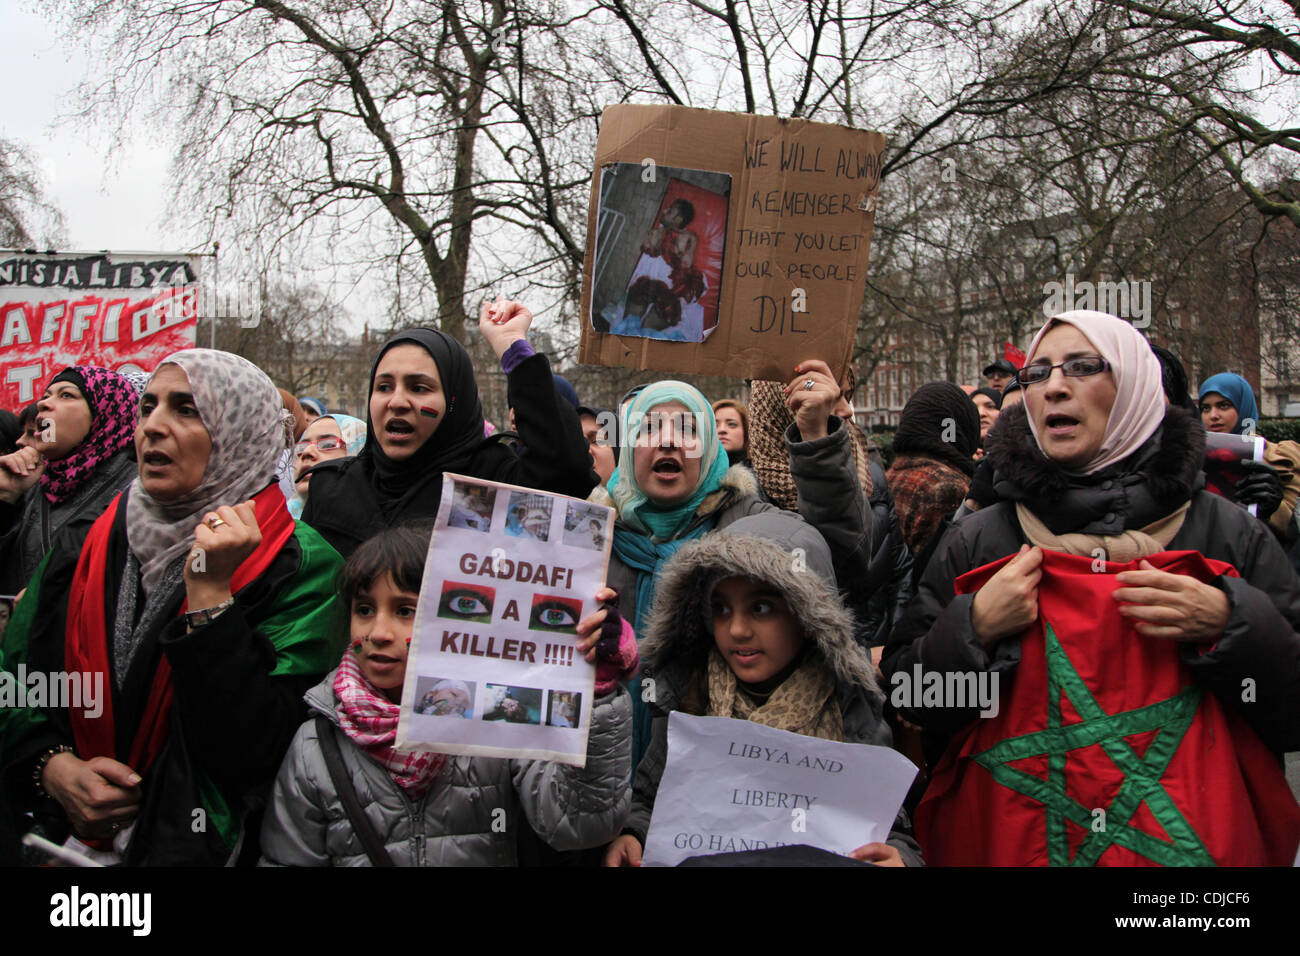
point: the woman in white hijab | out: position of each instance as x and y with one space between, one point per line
196 612
1095 465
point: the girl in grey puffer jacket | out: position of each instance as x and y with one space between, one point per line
433 809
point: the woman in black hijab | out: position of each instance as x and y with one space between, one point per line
424 418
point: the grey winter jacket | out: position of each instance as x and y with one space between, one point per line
1261 641
27 528
676 650
457 822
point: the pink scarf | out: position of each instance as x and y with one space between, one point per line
370 719
114 403
1139 395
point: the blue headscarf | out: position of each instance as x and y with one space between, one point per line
353 431
1238 391
635 510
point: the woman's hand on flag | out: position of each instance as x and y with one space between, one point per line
1172 606
1008 601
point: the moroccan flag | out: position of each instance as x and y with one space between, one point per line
1106 750
1013 355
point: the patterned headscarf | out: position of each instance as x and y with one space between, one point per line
113 403
249 428
1238 391
353 431
635 509
770 418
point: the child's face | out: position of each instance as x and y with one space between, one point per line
383 617
754 628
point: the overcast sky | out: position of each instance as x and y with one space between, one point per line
109 202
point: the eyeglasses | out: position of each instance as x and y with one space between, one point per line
328 443
1074 368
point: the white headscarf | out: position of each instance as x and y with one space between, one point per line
250 430
1139 395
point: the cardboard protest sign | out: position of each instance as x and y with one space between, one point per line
733 785
1223 457
124 312
492 669
726 243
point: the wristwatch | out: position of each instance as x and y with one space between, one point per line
207 615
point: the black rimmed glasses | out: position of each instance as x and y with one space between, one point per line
1074 368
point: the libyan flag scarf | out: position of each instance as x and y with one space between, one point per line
1105 750
87 648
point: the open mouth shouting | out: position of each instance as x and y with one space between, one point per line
399 431
155 461
1061 425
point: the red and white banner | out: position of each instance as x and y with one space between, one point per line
116 310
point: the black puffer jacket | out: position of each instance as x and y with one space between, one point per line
1261 641
882 598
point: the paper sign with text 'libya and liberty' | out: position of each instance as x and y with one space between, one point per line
493 670
735 785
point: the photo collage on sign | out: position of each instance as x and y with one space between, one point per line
529 516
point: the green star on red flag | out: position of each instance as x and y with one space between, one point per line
1169 719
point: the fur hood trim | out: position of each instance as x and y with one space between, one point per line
677 632
1170 463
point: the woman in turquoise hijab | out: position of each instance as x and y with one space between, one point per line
1228 405
674 484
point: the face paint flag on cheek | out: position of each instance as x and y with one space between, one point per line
428 411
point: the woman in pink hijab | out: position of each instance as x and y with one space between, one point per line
1094 465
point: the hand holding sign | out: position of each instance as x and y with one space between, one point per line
881 854
625 851
810 396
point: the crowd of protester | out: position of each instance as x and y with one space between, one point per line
242 568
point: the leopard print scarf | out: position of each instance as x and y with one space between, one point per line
805 703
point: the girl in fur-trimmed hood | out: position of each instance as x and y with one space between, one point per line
747 624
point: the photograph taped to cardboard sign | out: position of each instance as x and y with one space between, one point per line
661 232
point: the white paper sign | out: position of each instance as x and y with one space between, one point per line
492 669
732 785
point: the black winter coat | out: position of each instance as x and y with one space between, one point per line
237 684
1261 641
28 527
343 506
882 598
